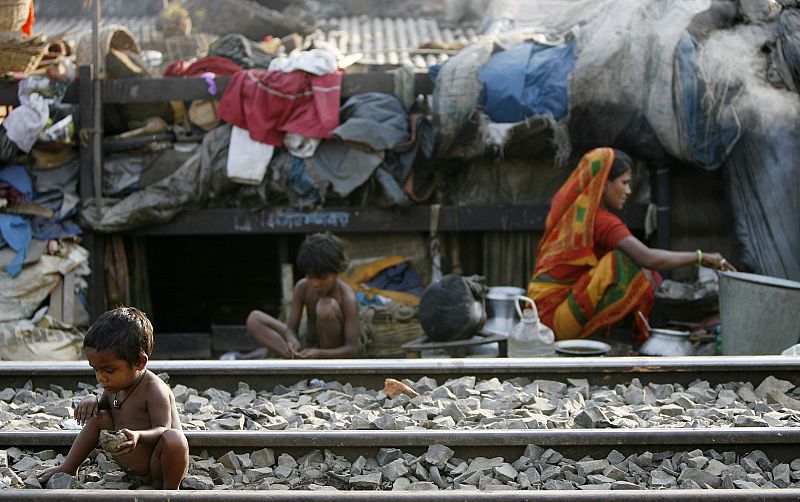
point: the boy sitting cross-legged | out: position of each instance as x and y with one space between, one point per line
330 305
135 401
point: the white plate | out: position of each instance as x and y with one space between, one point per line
582 347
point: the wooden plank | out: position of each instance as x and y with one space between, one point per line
93 242
8 93
141 90
519 217
182 346
56 308
287 289
149 90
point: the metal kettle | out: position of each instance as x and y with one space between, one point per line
500 301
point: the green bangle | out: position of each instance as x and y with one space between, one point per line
699 257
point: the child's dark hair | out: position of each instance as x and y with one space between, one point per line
321 254
125 330
622 164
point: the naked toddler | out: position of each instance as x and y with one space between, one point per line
134 401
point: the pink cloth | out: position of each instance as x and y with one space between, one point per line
215 64
271 103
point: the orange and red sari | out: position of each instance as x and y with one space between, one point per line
577 292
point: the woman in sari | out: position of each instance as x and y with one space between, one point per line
591 272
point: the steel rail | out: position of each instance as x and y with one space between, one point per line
265 374
717 495
781 443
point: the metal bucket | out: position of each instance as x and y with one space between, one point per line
758 313
500 303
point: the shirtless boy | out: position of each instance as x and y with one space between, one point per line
330 305
135 401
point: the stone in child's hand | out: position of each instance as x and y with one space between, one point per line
111 441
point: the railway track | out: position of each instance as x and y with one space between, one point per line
780 444
265 374
441 496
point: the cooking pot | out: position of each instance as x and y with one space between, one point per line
667 342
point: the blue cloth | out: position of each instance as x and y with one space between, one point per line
17 177
16 231
400 277
710 139
302 183
433 71
368 299
50 228
18 234
528 79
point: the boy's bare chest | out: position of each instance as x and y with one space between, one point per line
312 298
131 415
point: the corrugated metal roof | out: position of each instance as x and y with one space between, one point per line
393 41
70 29
382 41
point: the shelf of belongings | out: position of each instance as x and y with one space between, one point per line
179 199
286 219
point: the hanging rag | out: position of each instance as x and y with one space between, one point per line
247 159
26 121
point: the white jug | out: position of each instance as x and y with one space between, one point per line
530 338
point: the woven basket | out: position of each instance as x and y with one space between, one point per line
112 36
13 14
21 53
385 329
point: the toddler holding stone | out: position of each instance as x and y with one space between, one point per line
135 401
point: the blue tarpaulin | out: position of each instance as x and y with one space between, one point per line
709 132
16 231
528 79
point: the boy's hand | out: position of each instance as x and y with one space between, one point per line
130 444
308 353
293 343
86 409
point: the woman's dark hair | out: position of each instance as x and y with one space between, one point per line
125 330
321 254
622 164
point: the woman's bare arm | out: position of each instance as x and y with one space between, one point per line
662 259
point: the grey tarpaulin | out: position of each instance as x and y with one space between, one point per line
374 119
376 122
789 46
762 171
199 180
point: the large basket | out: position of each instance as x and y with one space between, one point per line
21 53
385 329
112 36
13 14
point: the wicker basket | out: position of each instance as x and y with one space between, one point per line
13 14
385 329
112 36
21 53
